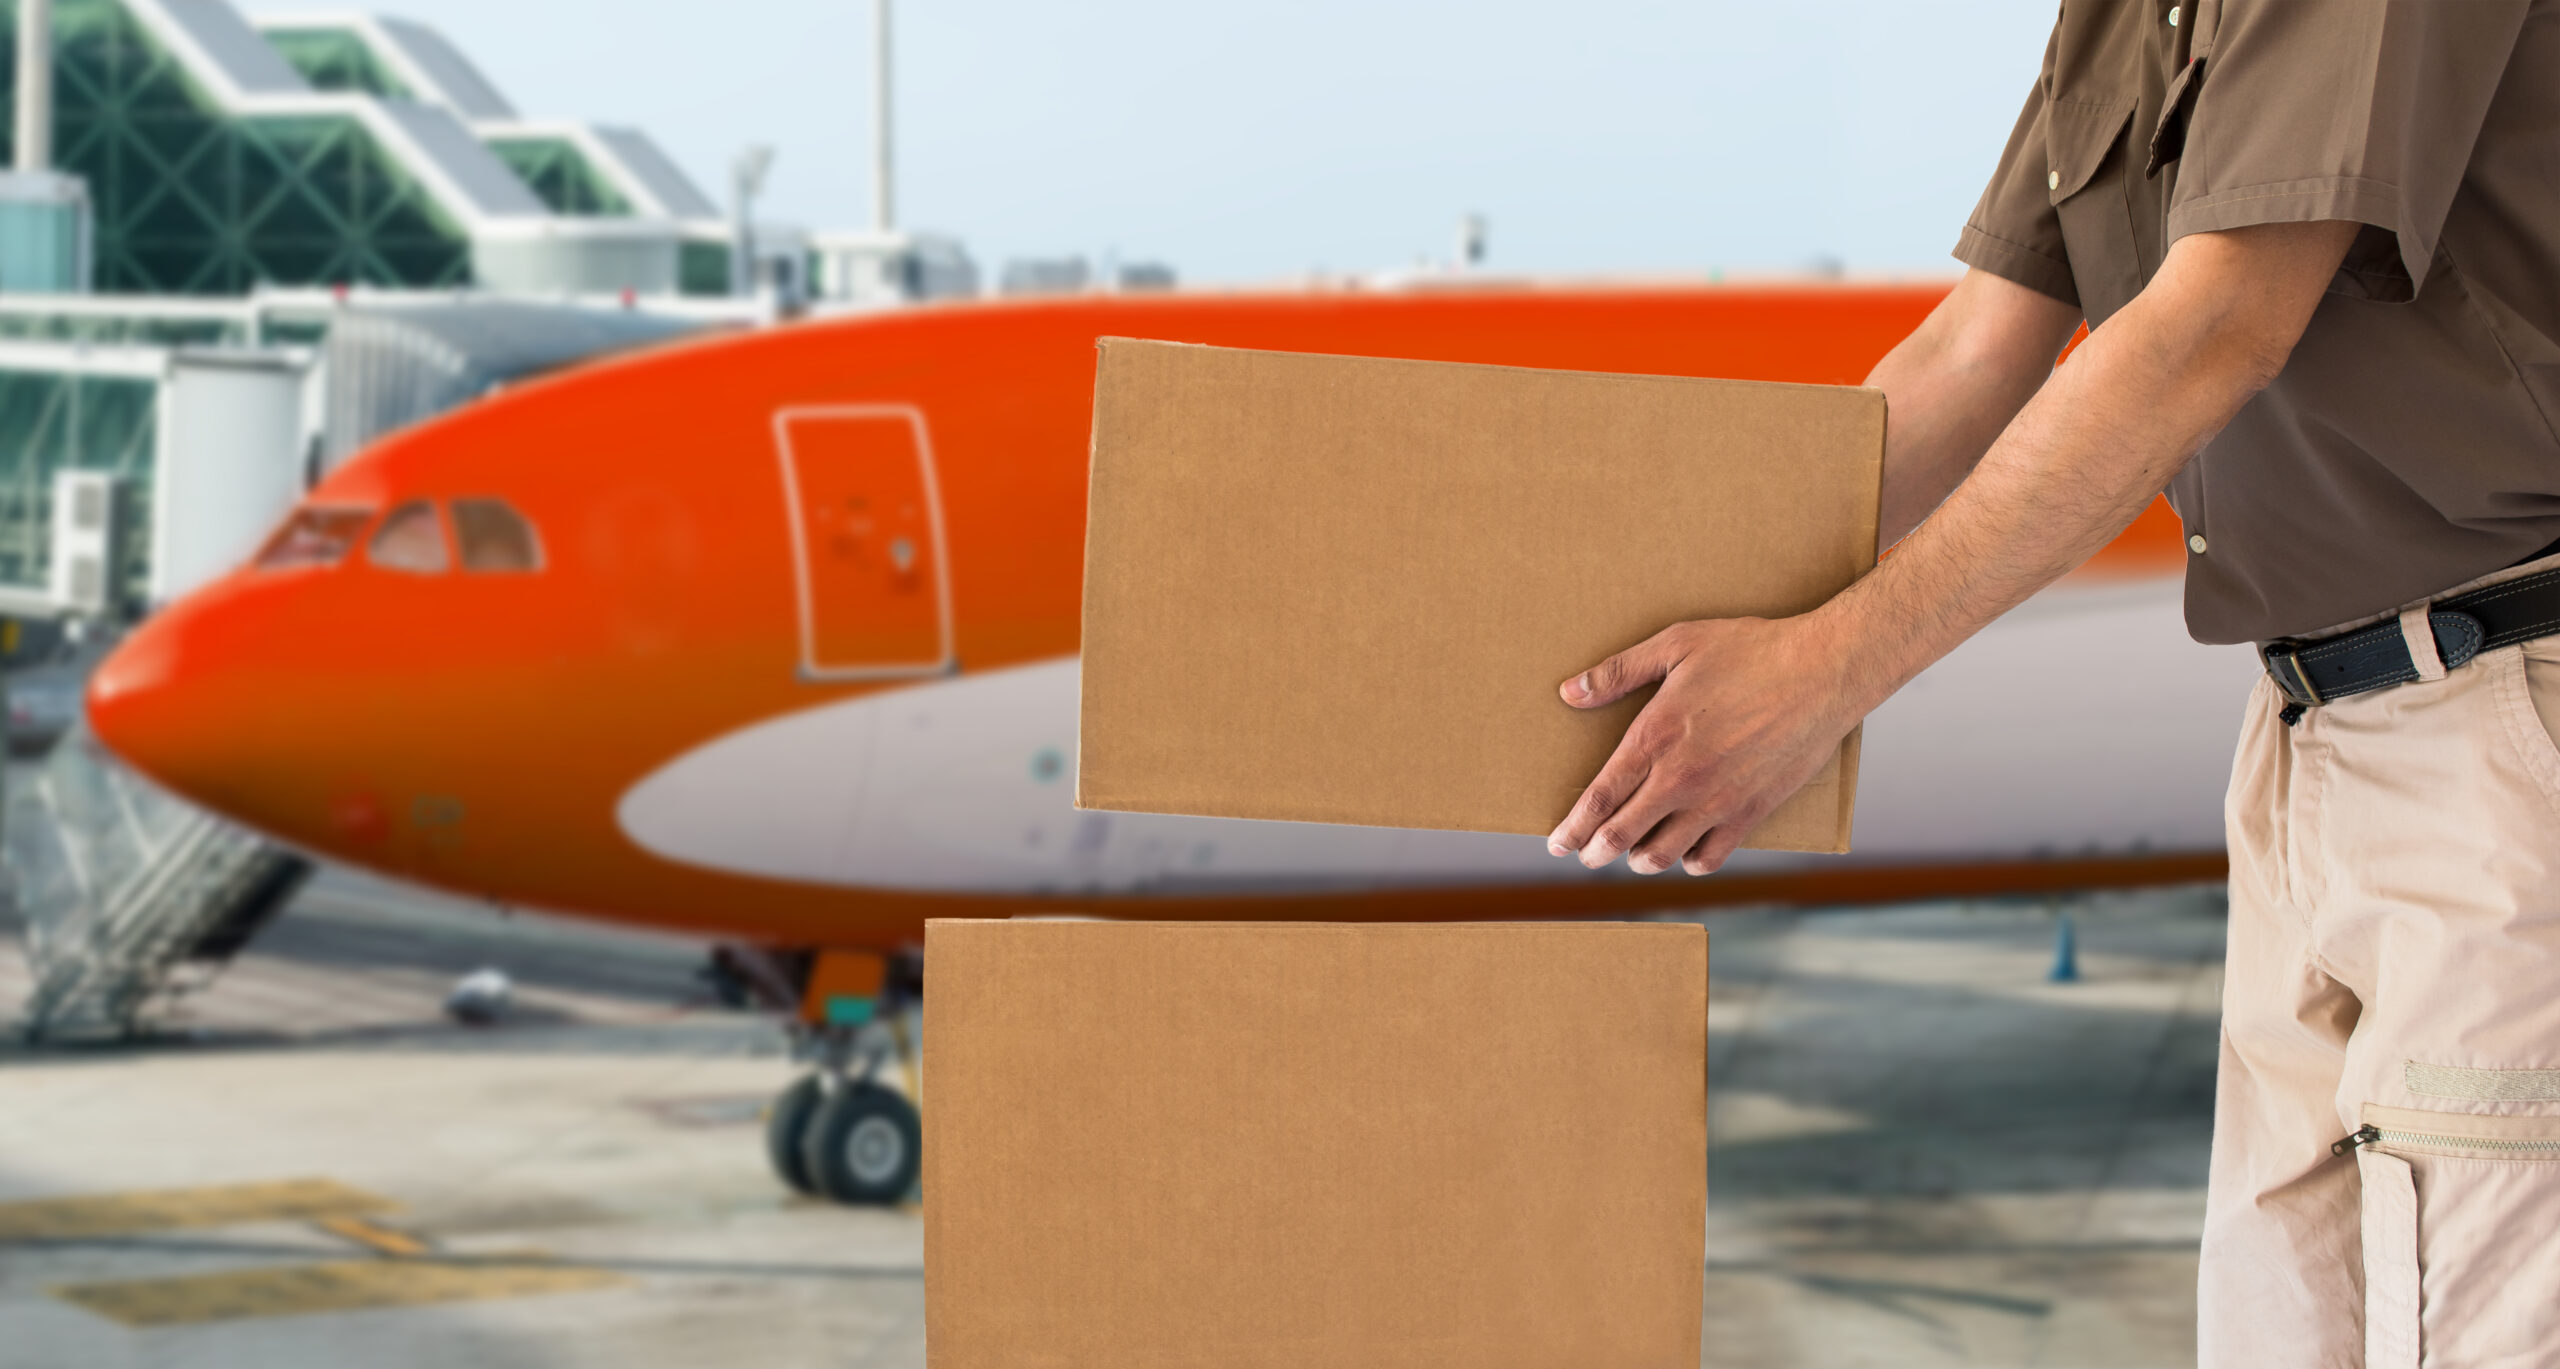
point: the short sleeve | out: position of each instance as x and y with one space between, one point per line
2014 233
2355 110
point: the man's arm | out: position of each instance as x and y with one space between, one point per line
1954 383
1750 708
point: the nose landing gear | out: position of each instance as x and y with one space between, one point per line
864 1146
838 1132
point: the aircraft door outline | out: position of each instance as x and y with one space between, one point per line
820 659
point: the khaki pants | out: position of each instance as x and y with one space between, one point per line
2394 962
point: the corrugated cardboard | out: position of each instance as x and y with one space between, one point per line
1344 589
1274 1146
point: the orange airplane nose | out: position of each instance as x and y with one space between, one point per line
202 701
213 699
138 708
232 698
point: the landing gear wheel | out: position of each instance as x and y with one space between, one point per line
865 1147
786 1130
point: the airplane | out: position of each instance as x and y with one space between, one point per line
772 636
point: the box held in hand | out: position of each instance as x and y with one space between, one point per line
1345 589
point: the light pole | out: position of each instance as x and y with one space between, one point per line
34 127
884 217
746 180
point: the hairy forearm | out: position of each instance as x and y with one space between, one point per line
1745 710
2086 454
1954 384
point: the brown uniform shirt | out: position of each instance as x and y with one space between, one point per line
2413 441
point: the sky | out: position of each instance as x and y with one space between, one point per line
1250 140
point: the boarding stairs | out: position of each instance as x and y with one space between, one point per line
131 897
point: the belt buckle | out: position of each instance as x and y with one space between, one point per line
2283 657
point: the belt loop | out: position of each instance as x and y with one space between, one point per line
2420 634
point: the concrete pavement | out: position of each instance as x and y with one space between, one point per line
1923 1153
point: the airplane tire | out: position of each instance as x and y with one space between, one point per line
786 1128
865 1147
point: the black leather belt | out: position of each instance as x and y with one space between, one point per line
2325 670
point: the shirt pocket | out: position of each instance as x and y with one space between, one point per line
2177 107
2461 1215
2086 165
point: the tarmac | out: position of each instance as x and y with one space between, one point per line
1925 1151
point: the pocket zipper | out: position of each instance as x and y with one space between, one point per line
2371 1135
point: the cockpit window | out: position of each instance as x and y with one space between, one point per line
411 539
314 535
494 536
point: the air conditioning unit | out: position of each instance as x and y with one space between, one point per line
81 578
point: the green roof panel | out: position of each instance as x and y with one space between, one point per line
333 58
563 176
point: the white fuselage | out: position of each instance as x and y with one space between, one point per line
2084 723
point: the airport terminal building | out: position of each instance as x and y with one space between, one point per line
196 171
222 154
304 230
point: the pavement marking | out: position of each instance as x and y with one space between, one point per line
374 1236
336 1286
708 1110
123 1214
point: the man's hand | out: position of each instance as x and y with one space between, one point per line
1749 709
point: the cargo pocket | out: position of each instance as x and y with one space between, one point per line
2461 1237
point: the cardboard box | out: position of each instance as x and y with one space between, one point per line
1345 589
1274 1146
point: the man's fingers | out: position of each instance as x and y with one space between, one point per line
1718 845
1671 841
1609 791
1644 810
1630 670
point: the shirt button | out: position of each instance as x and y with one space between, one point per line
2173 16
2053 180
2196 544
